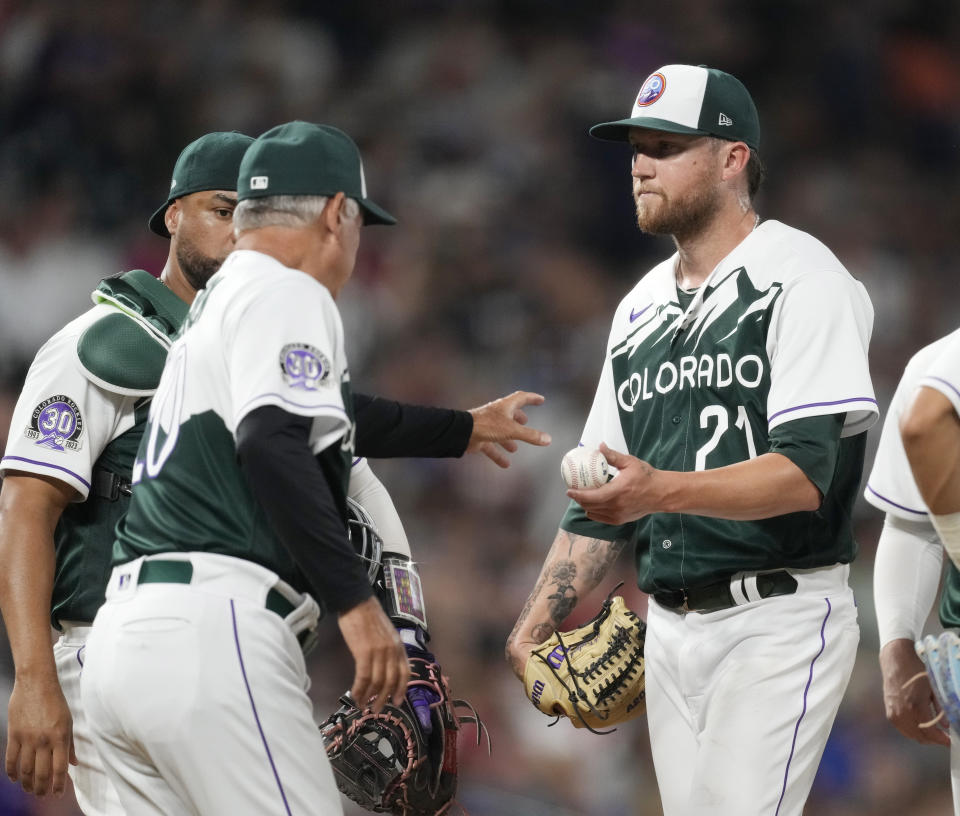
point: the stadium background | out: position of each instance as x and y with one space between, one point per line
515 243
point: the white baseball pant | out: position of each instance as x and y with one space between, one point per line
197 696
740 702
95 794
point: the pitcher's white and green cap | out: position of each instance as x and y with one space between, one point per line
301 158
690 99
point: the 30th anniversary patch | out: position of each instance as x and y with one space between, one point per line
304 366
56 424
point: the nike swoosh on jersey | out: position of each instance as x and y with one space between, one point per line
634 315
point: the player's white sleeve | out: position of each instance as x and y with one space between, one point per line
62 421
906 576
943 373
286 349
603 421
368 491
817 346
947 526
891 486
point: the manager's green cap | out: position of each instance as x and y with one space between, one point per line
690 99
300 158
209 163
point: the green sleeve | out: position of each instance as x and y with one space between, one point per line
812 444
575 521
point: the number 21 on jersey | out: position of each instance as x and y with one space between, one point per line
720 414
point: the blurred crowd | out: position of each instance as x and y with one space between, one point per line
516 240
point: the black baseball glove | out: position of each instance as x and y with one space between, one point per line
403 760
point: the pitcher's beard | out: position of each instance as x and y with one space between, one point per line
680 218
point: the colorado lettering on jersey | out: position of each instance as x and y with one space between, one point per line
714 372
659 356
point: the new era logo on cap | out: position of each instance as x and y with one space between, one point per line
259 182
724 120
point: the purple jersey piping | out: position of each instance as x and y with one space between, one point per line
820 405
796 729
894 504
48 465
947 383
253 705
243 411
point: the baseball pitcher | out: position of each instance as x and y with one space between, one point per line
733 403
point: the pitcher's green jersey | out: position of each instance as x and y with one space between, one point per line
259 334
80 417
692 381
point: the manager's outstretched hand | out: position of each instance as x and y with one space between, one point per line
499 425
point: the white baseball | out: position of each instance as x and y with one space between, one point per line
583 468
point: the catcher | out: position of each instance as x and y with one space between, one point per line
402 760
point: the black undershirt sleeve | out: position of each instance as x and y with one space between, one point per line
387 429
275 457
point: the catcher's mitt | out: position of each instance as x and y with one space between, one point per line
390 762
593 674
941 658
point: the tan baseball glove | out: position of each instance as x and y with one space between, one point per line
593 674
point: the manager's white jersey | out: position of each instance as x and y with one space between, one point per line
260 334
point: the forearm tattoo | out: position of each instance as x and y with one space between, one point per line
600 558
563 598
525 613
558 577
538 636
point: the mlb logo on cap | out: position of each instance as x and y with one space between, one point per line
306 159
690 99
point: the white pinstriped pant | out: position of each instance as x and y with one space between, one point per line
94 791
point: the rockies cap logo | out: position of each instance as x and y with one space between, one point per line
652 90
